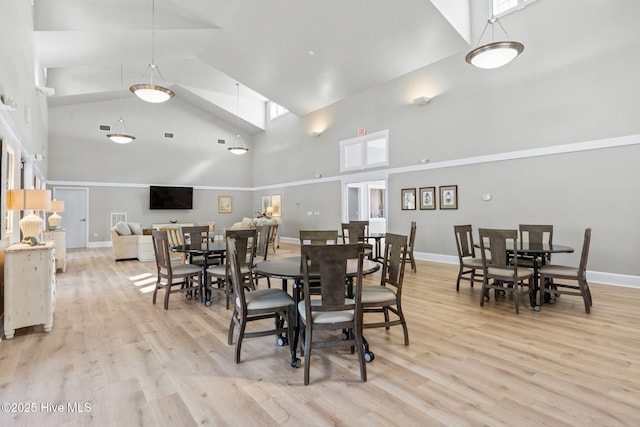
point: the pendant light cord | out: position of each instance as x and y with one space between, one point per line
237 109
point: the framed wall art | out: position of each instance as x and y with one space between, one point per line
224 204
408 199
427 198
449 197
276 204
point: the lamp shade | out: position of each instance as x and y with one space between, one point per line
22 200
56 206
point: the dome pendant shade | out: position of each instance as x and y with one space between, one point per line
120 136
239 147
494 55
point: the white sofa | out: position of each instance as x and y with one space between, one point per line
124 240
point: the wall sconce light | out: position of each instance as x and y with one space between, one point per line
421 100
315 133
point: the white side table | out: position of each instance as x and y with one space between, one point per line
59 238
29 286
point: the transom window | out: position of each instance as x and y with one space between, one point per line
276 110
363 152
503 7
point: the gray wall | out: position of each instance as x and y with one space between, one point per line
571 85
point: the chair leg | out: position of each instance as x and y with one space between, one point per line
583 290
241 327
232 324
458 281
360 347
167 291
155 291
307 354
413 262
404 324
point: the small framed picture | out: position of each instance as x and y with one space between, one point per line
224 204
428 198
449 197
408 199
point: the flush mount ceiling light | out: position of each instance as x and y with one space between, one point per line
121 137
239 147
497 53
152 92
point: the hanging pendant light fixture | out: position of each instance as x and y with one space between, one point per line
497 53
121 137
239 147
152 92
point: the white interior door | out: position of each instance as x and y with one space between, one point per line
366 201
74 217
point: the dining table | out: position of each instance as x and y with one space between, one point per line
537 251
211 248
290 268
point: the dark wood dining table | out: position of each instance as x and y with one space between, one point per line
538 251
290 268
218 247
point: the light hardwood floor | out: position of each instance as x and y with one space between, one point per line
137 364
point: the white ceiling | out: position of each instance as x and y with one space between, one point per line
203 47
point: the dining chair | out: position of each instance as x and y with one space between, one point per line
356 232
273 240
170 275
196 237
263 237
246 248
578 274
470 264
255 305
535 234
332 310
501 269
387 296
318 237
409 254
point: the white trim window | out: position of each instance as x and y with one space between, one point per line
503 7
276 111
364 152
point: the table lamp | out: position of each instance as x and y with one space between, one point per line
269 211
33 200
55 220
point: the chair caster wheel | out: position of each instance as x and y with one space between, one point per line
296 363
552 301
536 308
282 341
369 356
487 298
345 336
502 293
188 296
207 303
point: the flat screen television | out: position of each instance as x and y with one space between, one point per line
170 197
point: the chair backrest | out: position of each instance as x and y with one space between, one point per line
412 236
161 249
245 245
318 237
496 242
395 251
464 241
238 280
354 232
536 234
264 233
210 224
364 223
174 237
582 270
196 236
329 264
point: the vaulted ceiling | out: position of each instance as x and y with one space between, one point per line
303 55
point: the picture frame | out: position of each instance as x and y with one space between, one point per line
408 196
276 204
427 198
225 204
449 197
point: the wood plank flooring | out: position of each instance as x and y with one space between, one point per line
137 364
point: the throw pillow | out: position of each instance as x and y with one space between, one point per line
135 228
122 229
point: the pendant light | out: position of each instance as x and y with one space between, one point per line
121 137
239 146
152 92
497 53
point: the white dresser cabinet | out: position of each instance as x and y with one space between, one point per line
29 286
60 239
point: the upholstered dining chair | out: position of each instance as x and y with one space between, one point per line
255 305
387 296
578 274
470 264
246 248
409 255
332 310
318 237
356 232
500 269
174 236
188 277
